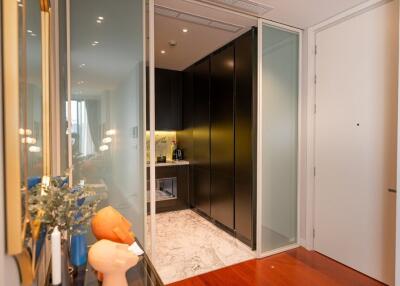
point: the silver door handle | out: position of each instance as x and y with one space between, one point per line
392 190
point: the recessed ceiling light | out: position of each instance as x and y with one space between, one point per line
28 140
163 52
99 21
34 149
103 148
33 35
100 18
29 31
107 140
111 132
82 65
95 43
25 131
185 30
20 5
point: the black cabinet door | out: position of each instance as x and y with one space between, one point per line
201 136
168 95
222 136
168 100
184 137
245 137
201 188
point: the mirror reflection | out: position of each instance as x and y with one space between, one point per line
30 116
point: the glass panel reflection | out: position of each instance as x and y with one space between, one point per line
279 123
107 100
31 123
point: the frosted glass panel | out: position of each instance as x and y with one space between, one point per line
107 103
279 138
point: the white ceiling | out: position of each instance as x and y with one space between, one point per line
202 40
302 13
110 62
199 41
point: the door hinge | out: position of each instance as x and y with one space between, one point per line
315 79
315 171
313 233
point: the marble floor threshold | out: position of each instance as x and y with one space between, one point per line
188 245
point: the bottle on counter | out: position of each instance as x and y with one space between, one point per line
173 148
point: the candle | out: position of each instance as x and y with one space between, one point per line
56 256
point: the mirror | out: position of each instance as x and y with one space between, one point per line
26 125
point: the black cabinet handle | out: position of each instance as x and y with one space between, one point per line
392 190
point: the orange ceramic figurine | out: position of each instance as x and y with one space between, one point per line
109 224
113 260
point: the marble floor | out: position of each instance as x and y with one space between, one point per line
188 245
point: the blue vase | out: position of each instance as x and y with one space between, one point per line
79 250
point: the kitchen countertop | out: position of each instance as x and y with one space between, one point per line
171 163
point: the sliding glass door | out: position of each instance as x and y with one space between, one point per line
278 138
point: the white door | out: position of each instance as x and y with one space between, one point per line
356 97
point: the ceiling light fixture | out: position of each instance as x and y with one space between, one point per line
163 52
82 65
101 18
111 132
29 31
95 43
103 148
185 30
107 140
28 140
33 35
34 149
22 131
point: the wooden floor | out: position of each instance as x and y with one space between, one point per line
297 267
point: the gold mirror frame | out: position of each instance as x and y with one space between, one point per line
10 48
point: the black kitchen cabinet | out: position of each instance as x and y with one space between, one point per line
201 136
222 136
185 136
168 100
245 137
220 126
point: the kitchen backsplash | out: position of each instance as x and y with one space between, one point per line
164 141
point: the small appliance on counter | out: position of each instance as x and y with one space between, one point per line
161 159
177 154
